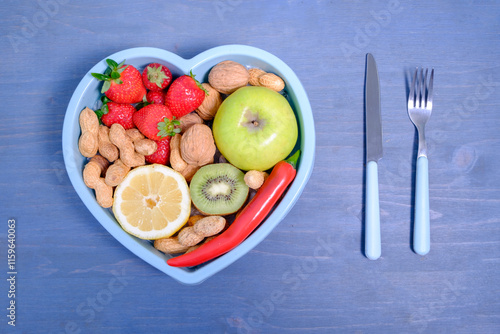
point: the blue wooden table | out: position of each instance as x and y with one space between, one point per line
71 276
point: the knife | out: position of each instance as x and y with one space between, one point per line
373 128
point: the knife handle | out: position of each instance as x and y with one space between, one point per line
372 212
421 226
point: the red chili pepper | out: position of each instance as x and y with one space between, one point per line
249 218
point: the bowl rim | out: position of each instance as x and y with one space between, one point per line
135 245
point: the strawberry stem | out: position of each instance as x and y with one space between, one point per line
168 127
104 108
112 74
156 75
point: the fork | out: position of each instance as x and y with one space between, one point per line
419 111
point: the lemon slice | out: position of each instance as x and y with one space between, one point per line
152 202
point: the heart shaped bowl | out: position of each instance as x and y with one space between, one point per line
88 93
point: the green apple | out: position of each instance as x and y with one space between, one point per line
255 128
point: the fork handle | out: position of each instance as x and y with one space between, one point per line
421 227
372 212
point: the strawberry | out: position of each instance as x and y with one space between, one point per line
156 77
156 122
184 95
155 96
122 83
111 113
162 153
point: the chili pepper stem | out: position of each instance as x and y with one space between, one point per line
294 159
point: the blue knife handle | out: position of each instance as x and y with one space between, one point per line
372 213
421 227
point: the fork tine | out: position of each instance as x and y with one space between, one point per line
429 91
411 96
424 88
418 89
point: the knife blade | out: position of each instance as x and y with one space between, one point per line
373 129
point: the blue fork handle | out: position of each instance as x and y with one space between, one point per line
421 228
372 213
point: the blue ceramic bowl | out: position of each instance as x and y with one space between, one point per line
87 94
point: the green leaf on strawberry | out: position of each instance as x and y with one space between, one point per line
112 74
200 86
105 86
168 127
101 77
99 114
111 63
104 108
156 75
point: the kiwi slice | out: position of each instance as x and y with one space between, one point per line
218 189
